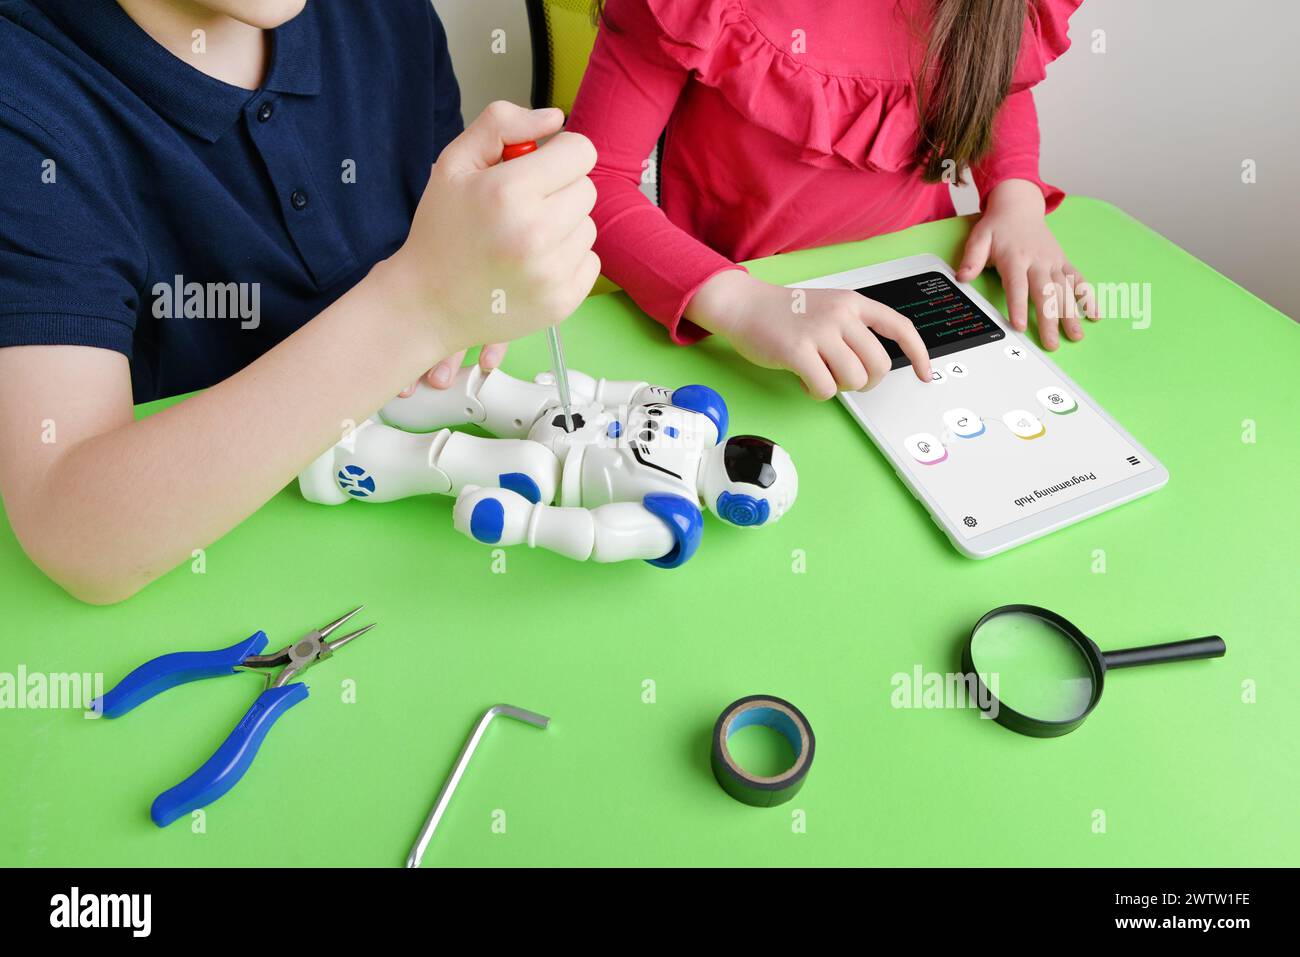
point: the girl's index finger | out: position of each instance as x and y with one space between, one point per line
894 325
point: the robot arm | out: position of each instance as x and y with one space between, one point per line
610 394
663 530
503 405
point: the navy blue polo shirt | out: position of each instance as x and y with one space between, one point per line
191 225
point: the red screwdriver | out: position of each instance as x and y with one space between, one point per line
558 368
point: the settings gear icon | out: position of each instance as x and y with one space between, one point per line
969 521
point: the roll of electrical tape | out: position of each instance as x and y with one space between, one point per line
779 715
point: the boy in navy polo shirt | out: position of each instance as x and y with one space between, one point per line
236 195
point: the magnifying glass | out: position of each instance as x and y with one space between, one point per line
1039 675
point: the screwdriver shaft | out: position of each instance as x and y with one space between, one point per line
561 372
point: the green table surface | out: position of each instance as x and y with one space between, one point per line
1190 763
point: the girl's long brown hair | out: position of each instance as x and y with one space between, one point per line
965 75
963 79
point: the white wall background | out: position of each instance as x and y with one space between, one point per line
1158 124
1161 122
486 76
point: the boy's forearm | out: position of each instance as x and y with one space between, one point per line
123 507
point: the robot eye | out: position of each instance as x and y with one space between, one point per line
748 459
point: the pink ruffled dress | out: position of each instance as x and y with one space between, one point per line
790 124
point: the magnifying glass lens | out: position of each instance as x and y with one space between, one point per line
1032 666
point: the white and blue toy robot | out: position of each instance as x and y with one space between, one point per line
625 481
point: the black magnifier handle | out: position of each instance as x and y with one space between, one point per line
1211 646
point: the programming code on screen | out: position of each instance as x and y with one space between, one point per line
946 319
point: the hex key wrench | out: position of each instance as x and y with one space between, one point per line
462 762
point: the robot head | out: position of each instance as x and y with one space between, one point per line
748 480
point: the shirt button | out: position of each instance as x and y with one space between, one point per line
265 112
298 200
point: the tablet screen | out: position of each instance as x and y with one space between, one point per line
944 315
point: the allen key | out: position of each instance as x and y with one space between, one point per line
449 786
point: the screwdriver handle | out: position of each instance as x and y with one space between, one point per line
516 150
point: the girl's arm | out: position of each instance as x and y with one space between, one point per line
104 504
1012 236
627 96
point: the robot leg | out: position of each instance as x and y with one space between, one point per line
527 468
376 463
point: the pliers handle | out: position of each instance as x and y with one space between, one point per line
223 770
167 671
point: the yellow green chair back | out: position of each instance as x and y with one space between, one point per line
563 33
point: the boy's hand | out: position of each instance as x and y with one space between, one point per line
497 251
444 373
827 337
1013 236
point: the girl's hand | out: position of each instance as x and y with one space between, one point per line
1013 237
444 373
827 337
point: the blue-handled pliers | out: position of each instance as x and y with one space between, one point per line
222 771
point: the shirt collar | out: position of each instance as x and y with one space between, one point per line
295 55
194 101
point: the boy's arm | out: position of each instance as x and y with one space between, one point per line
110 504
104 504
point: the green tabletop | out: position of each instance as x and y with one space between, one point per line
1190 763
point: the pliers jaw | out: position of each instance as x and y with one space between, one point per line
303 653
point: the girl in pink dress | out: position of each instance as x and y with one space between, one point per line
799 123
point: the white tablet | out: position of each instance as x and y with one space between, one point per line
1001 447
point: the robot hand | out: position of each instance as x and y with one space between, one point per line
612 394
657 530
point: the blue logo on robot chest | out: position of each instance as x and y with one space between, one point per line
354 480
